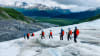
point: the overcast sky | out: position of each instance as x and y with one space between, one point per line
73 5
93 3
81 5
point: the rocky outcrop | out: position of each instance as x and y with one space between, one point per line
12 29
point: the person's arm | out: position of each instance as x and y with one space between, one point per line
73 31
59 33
40 34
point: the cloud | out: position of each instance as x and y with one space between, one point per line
92 3
73 5
81 5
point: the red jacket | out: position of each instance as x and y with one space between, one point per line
63 33
43 33
28 34
33 34
70 32
77 32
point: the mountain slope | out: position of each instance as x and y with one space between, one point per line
8 13
36 12
79 15
88 43
14 24
58 13
93 18
67 21
90 19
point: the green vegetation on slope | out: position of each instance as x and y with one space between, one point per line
89 19
57 21
63 22
9 13
93 18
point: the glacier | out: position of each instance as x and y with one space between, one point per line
88 43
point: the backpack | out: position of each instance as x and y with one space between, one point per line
33 34
63 33
77 32
43 33
50 33
70 32
28 34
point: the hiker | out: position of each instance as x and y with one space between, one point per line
50 35
76 33
69 34
24 35
28 35
33 34
61 34
42 34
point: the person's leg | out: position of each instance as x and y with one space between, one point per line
49 36
41 37
24 37
27 38
52 36
75 36
60 37
68 38
44 37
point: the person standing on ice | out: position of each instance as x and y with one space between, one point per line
50 34
61 34
42 34
76 33
69 34
28 35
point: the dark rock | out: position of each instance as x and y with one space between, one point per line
12 29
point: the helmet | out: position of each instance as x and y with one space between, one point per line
42 30
50 30
61 29
69 29
75 27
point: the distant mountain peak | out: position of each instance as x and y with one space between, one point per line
42 4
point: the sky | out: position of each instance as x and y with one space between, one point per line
80 5
80 2
73 5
